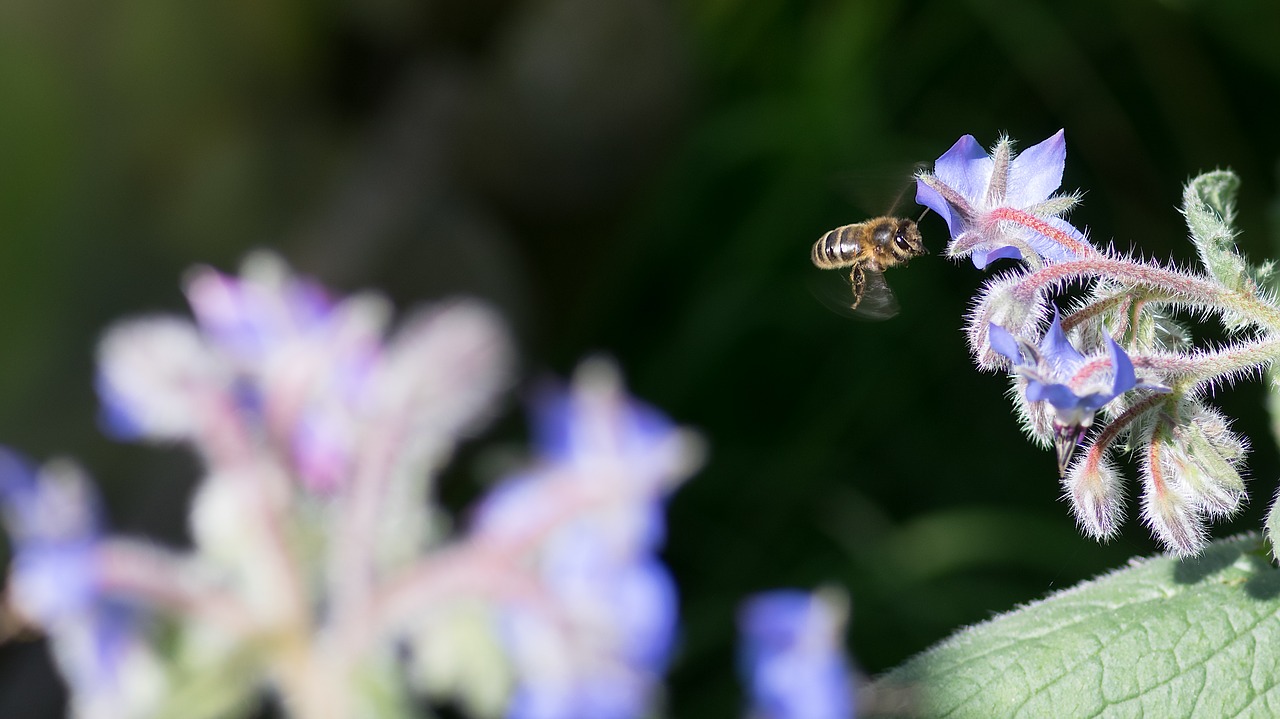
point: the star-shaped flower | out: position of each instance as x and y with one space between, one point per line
1058 373
1001 205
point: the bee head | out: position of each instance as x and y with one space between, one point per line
906 241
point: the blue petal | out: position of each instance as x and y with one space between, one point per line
552 422
116 418
930 198
54 530
793 671
1037 171
1094 402
647 605
565 431
966 168
1056 349
983 257
768 621
605 695
1124 376
17 476
1059 395
1003 342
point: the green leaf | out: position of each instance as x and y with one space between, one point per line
1272 525
1159 638
1208 202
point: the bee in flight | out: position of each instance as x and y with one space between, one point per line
870 248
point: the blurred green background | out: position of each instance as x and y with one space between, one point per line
642 178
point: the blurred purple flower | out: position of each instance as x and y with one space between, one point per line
792 657
621 616
1051 372
1001 205
273 363
270 353
596 639
55 529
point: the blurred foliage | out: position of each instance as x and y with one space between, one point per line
642 178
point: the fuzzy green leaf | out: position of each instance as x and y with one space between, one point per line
1161 637
1208 202
1272 526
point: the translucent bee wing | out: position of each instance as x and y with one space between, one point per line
835 292
832 290
885 188
878 301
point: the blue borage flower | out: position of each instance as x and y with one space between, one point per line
792 658
1001 205
269 353
1051 373
613 602
54 524
272 361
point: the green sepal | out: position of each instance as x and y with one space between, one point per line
1208 202
1272 524
1160 637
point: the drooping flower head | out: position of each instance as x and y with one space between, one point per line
1001 205
792 656
1057 373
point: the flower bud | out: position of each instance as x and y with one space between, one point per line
1213 480
998 303
1093 486
1215 430
1170 507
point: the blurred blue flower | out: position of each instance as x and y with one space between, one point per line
1051 373
55 529
620 617
1001 205
596 640
270 354
272 366
792 657
249 317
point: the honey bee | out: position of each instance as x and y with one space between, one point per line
870 248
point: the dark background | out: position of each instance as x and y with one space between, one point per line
642 178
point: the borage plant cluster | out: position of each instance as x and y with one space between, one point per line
321 571
1097 342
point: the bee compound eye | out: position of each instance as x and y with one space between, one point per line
901 241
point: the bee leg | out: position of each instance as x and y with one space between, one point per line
859 280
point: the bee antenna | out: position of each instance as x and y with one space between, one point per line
922 214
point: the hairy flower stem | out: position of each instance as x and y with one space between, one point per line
1125 418
1040 227
1187 372
1069 322
493 567
1176 286
160 580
